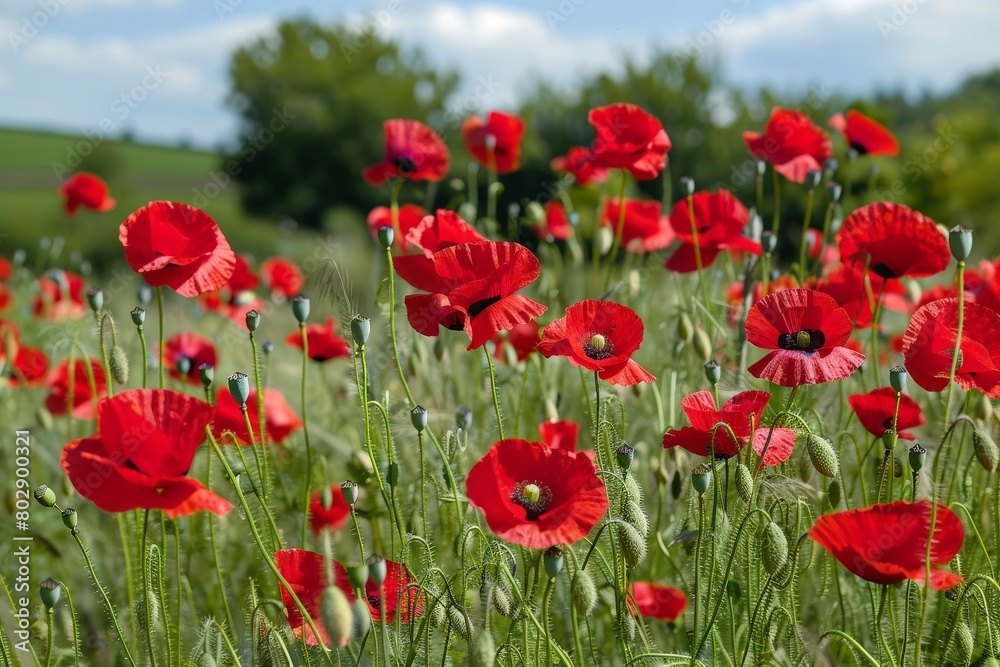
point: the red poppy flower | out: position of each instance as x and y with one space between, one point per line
876 409
846 284
282 276
664 603
86 190
306 573
579 162
177 245
523 338
145 443
410 215
887 543
243 278
864 135
234 307
720 219
742 413
442 230
60 297
982 285
23 365
471 288
279 418
504 131
324 343
74 393
6 269
399 597
898 240
556 225
188 349
929 344
807 331
644 228
5 297
628 137
792 143
321 518
536 496
559 434
412 151
600 336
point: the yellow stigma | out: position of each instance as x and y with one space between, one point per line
803 340
597 342
531 493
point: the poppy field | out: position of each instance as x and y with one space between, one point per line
688 431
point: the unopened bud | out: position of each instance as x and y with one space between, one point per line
917 457
252 320
418 417
357 576
118 364
985 449
774 548
335 615
206 373
701 478
377 569
823 456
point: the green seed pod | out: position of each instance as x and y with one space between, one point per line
552 560
418 417
889 439
95 299
138 316
386 235
633 544
823 456
584 592
965 644
685 328
252 320
335 615
986 450
897 378
633 514
713 372
813 177
917 457
239 387
350 491
833 493
49 590
118 364
744 482
625 454
773 548
361 618
701 478
702 344
45 496
960 242
361 328
300 307
459 622
483 651
69 518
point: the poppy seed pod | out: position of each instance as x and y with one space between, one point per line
897 378
889 439
361 328
206 373
713 372
386 235
686 185
138 316
744 482
418 417
95 299
768 242
252 320
349 490
632 542
69 518
835 190
960 242
239 387
49 590
300 307
361 618
625 454
813 177
377 569
463 418
45 496
553 561
701 478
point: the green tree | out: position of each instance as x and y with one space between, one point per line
312 100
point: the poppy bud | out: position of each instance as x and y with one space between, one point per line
768 242
49 590
983 408
889 440
633 514
676 485
502 602
144 294
701 477
361 618
897 378
418 417
118 364
207 660
386 235
624 455
45 496
833 493
685 329
733 590
633 544
713 372
377 570
686 184
552 560
335 615
965 644
206 372
744 482
773 548
535 213
252 320
459 622
830 166
357 576
960 242
986 450
584 592
463 418
483 651
300 307
835 190
95 299
361 328
69 518
138 316
393 473
813 177
326 497
823 455
239 387
439 617
917 457
702 344
350 491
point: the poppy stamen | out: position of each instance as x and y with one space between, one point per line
805 340
598 347
534 497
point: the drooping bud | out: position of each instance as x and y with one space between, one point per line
357 576
118 364
835 190
897 378
418 417
300 307
702 344
138 316
685 328
459 622
95 299
502 602
965 644
744 482
713 372
823 455
483 651
701 478
960 242
625 454
773 548
386 235
335 615
633 544
206 373
45 496
377 569
830 166
361 328
350 491
49 590
985 449
583 592
239 387
633 514
361 618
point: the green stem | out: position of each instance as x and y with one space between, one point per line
619 228
305 433
73 622
805 236
145 592
776 222
259 384
423 487
493 388
145 354
545 620
48 640
215 557
159 309
104 596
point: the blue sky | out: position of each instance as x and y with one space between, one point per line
158 67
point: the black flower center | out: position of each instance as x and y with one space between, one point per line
598 347
534 497
481 305
806 340
882 270
859 147
404 164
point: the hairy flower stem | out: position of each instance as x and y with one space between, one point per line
147 607
423 487
305 432
215 556
804 245
259 384
145 353
101 318
493 388
268 557
162 352
361 379
48 638
697 569
546 598
619 228
261 465
698 262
